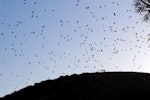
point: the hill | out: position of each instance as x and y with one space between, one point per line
88 86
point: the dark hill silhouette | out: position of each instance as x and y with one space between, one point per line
89 86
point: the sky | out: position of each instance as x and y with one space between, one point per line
41 40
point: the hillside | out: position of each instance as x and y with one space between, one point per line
89 86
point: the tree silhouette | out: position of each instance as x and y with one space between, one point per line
143 8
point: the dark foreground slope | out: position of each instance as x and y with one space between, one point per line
89 86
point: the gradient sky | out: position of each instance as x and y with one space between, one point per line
45 39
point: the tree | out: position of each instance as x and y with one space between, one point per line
143 8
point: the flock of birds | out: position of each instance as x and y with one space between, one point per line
90 52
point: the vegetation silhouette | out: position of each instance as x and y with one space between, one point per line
143 8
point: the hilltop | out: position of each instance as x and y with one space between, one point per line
88 86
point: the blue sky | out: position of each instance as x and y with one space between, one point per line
42 40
